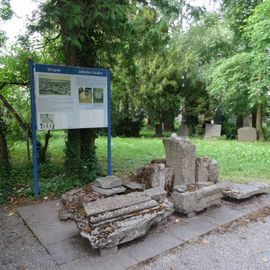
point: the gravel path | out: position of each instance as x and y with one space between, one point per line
241 246
244 245
19 248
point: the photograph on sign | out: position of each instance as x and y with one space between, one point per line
98 95
85 95
54 85
46 121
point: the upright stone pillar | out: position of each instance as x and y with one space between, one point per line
180 155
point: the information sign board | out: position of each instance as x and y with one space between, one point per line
70 97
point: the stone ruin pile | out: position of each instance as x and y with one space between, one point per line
183 183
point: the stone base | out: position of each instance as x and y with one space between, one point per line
112 221
191 202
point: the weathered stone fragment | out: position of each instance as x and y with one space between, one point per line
155 175
109 181
73 200
244 191
108 191
157 193
180 155
115 220
190 202
204 184
180 189
114 203
133 185
206 170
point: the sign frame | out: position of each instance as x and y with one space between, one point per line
69 70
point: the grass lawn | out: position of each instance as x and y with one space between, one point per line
238 161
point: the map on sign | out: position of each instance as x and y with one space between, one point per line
70 97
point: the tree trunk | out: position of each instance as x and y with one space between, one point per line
259 122
169 123
254 117
80 143
239 121
158 130
4 156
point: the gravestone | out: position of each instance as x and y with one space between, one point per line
247 134
183 130
180 155
246 121
212 131
218 116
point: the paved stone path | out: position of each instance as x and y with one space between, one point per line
239 247
63 248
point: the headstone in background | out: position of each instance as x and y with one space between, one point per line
212 131
232 120
246 121
183 130
247 134
218 116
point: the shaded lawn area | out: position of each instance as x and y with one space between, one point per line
238 161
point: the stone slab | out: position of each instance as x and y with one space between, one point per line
212 131
112 262
119 213
243 191
108 191
247 134
152 245
109 181
194 227
55 231
47 212
133 185
68 250
108 251
114 203
44 222
223 215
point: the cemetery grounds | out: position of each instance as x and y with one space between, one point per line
239 162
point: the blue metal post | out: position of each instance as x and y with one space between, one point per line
34 127
109 122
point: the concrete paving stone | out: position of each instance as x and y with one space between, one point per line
45 212
70 249
194 227
55 231
151 245
120 261
222 215
246 206
43 220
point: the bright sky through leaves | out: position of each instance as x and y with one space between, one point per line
24 8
